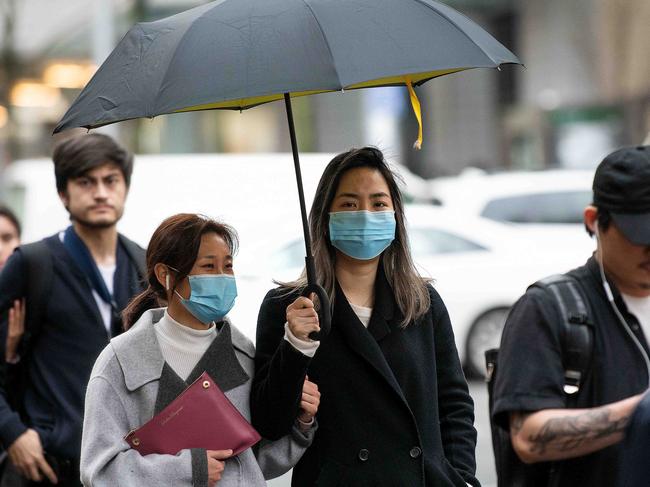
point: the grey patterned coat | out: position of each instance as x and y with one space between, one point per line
130 382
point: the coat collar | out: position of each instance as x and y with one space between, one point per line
383 321
141 360
386 315
138 351
74 277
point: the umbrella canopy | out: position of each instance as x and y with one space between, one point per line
236 54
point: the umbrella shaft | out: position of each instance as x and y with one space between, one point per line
309 260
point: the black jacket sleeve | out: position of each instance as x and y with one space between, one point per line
13 285
13 281
531 374
455 405
279 370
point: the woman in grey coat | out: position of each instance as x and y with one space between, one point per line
189 262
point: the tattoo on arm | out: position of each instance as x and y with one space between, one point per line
570 432
517 422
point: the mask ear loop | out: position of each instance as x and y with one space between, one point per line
167 284
168 287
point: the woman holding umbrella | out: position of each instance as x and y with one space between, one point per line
190 269
395 406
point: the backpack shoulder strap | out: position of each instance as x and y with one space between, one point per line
40 274
576 332
576 336
137 254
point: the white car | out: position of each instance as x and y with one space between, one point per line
479 267
546 204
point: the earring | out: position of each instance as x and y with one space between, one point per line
166 282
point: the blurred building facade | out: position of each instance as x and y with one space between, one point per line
585 90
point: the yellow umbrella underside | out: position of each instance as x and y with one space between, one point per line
402 80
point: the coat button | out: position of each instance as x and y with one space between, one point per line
364 454
415 452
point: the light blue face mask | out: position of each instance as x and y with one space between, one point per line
362 234
212 296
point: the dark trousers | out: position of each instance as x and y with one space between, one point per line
66 471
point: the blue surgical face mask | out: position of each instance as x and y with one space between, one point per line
363 234
212 296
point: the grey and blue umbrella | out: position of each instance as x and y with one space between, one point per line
237 54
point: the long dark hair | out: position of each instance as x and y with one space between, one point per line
409 288
175 243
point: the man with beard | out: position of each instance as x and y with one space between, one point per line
91 272
564 426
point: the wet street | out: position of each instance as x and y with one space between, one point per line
484 459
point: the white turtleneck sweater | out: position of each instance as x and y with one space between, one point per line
182 347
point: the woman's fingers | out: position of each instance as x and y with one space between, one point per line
300 303
303 321
309 404
216 464
219 454
310 399
302 318
310 387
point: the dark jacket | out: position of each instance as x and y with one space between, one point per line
395 408
62 355
531 372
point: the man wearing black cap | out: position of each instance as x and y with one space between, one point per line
576 442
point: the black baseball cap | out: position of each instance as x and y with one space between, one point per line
622 186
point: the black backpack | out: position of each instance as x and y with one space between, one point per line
577 350
40 276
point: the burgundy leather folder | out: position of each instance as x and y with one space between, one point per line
200 417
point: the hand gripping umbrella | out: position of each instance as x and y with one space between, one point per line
237 54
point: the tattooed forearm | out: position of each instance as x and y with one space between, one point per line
517 422
570 432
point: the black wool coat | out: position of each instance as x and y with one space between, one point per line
395 408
